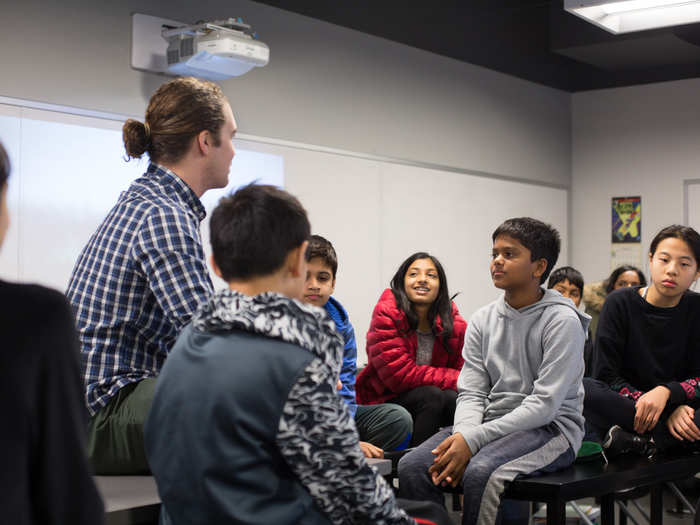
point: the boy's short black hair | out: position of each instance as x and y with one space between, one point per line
566 273
322 248
253 231
540 238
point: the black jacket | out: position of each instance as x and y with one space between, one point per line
44 477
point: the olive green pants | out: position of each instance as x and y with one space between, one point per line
115 433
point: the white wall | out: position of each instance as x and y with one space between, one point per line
642 140
376 213
325 85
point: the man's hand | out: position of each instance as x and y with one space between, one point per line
648 408
370 451
451 458
681 425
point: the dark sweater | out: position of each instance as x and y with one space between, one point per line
640 346
44 477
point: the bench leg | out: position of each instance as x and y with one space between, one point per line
607 509
621 517
656 505
556 512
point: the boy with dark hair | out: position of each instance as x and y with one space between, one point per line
568 281
519 408
246 424
381 427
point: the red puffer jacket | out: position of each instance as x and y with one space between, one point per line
391 353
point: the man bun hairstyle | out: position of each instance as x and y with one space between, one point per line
323 249
253 231
136 137
540 238
177 112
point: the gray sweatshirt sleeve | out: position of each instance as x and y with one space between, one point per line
473 383
562 366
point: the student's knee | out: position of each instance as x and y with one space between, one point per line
449 395
431 397
449 399
413 468
401 423
421 457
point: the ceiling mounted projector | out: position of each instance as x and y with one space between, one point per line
214 50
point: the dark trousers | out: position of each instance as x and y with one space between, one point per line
526 452
115 433
387 426
603 408
431 409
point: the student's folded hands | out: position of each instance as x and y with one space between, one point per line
649 407
681 425
451 458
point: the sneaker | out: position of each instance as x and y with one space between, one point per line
618 441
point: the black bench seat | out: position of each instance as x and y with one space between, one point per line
604 480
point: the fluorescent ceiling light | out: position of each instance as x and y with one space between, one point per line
613 8
625 16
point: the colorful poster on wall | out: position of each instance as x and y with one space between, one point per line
626 219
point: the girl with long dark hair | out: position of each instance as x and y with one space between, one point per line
414 347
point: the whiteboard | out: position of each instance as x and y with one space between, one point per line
377 213
69 170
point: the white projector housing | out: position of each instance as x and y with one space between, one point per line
214 50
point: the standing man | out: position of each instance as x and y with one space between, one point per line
143 273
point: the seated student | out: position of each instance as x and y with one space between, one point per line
568 281
381 427
647 361
246 424
414 346
520 393
44 477
594 294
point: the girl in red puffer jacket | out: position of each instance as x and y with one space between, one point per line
414 347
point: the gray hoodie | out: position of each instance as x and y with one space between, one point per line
522 370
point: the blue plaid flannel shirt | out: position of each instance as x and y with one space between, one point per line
137 282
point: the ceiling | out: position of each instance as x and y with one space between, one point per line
532 39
